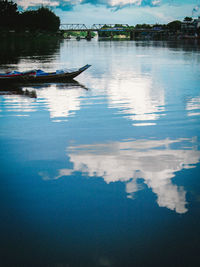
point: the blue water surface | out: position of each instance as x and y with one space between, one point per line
103 171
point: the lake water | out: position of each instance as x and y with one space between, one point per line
104 171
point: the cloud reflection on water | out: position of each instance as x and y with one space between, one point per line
135 94
138 99
18 103
193 106
61 103
128 161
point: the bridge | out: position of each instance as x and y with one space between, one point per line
94 27
77 27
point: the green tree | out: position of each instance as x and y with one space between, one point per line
47 20
42 19
189 19
174 25
143 26
8 15
103 33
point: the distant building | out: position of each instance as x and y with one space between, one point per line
157 28
197 22
190 27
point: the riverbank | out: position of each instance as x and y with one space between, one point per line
60 35
29 34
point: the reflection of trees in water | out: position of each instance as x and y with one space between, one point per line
186 45
13 48
14 89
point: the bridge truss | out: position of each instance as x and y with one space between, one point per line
73 27
94 27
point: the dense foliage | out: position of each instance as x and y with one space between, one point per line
143 26
174 25
42 19
189 19
8 14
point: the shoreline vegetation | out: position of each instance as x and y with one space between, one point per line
43 23
42 19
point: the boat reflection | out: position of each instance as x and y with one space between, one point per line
154 161
60 99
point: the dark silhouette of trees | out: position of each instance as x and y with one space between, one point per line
8 15
42 19
143 26
189 19
174 25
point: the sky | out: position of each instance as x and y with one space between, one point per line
130 12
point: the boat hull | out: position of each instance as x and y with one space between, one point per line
51 77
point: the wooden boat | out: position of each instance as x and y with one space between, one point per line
41 76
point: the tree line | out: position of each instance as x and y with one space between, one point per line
42 19
172 27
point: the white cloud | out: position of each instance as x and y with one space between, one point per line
111 3
155 2
32 3
121 3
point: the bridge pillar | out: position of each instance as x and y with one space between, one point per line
89 36
132 35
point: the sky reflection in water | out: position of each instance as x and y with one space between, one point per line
138 96
96 139
150 160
